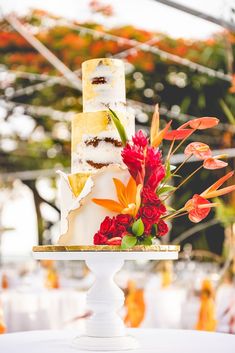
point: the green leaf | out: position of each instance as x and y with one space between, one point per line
165 189
168 169
138 227
128 242
119 127
147 241
227 111
169 208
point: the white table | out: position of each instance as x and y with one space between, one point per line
151 341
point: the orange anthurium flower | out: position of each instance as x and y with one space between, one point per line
178 134
128 198
212 190
198 149
201 123
214 163
157 136
198 208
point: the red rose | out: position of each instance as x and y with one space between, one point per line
149 213
99 239
162 228
120 230
124 220
107 227
147 226
140 139
149 197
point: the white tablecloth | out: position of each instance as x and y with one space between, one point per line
151 341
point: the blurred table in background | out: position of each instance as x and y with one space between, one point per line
43 309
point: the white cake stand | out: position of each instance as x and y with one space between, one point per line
105 331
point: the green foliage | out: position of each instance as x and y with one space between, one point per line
225 213
165 189
128 242
138 227
119 127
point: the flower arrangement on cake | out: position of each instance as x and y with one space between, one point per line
141 211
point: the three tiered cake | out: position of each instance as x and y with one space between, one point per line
96 151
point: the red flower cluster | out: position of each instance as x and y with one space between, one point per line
112 230
151 211
143 162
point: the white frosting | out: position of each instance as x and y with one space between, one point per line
80 217
104 152
111 93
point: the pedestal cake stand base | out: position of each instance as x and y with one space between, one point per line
105 331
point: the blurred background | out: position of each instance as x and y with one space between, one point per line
178 56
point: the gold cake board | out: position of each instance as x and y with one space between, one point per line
105 248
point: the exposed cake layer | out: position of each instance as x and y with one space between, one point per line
103 84
80 217
95 140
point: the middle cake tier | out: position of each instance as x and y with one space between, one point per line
95 139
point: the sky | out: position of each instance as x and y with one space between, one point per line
147 14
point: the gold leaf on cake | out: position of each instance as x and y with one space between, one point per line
77 182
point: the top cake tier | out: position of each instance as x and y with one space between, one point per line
103 85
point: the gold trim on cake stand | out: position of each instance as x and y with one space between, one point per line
105 248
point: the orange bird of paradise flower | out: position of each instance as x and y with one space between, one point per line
198 206
129 198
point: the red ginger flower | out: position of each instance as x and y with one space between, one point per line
154 169
143 162
133 157
140 139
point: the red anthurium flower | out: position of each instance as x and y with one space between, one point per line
198 208
201 123
178 134
212 190
214 163
198 149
